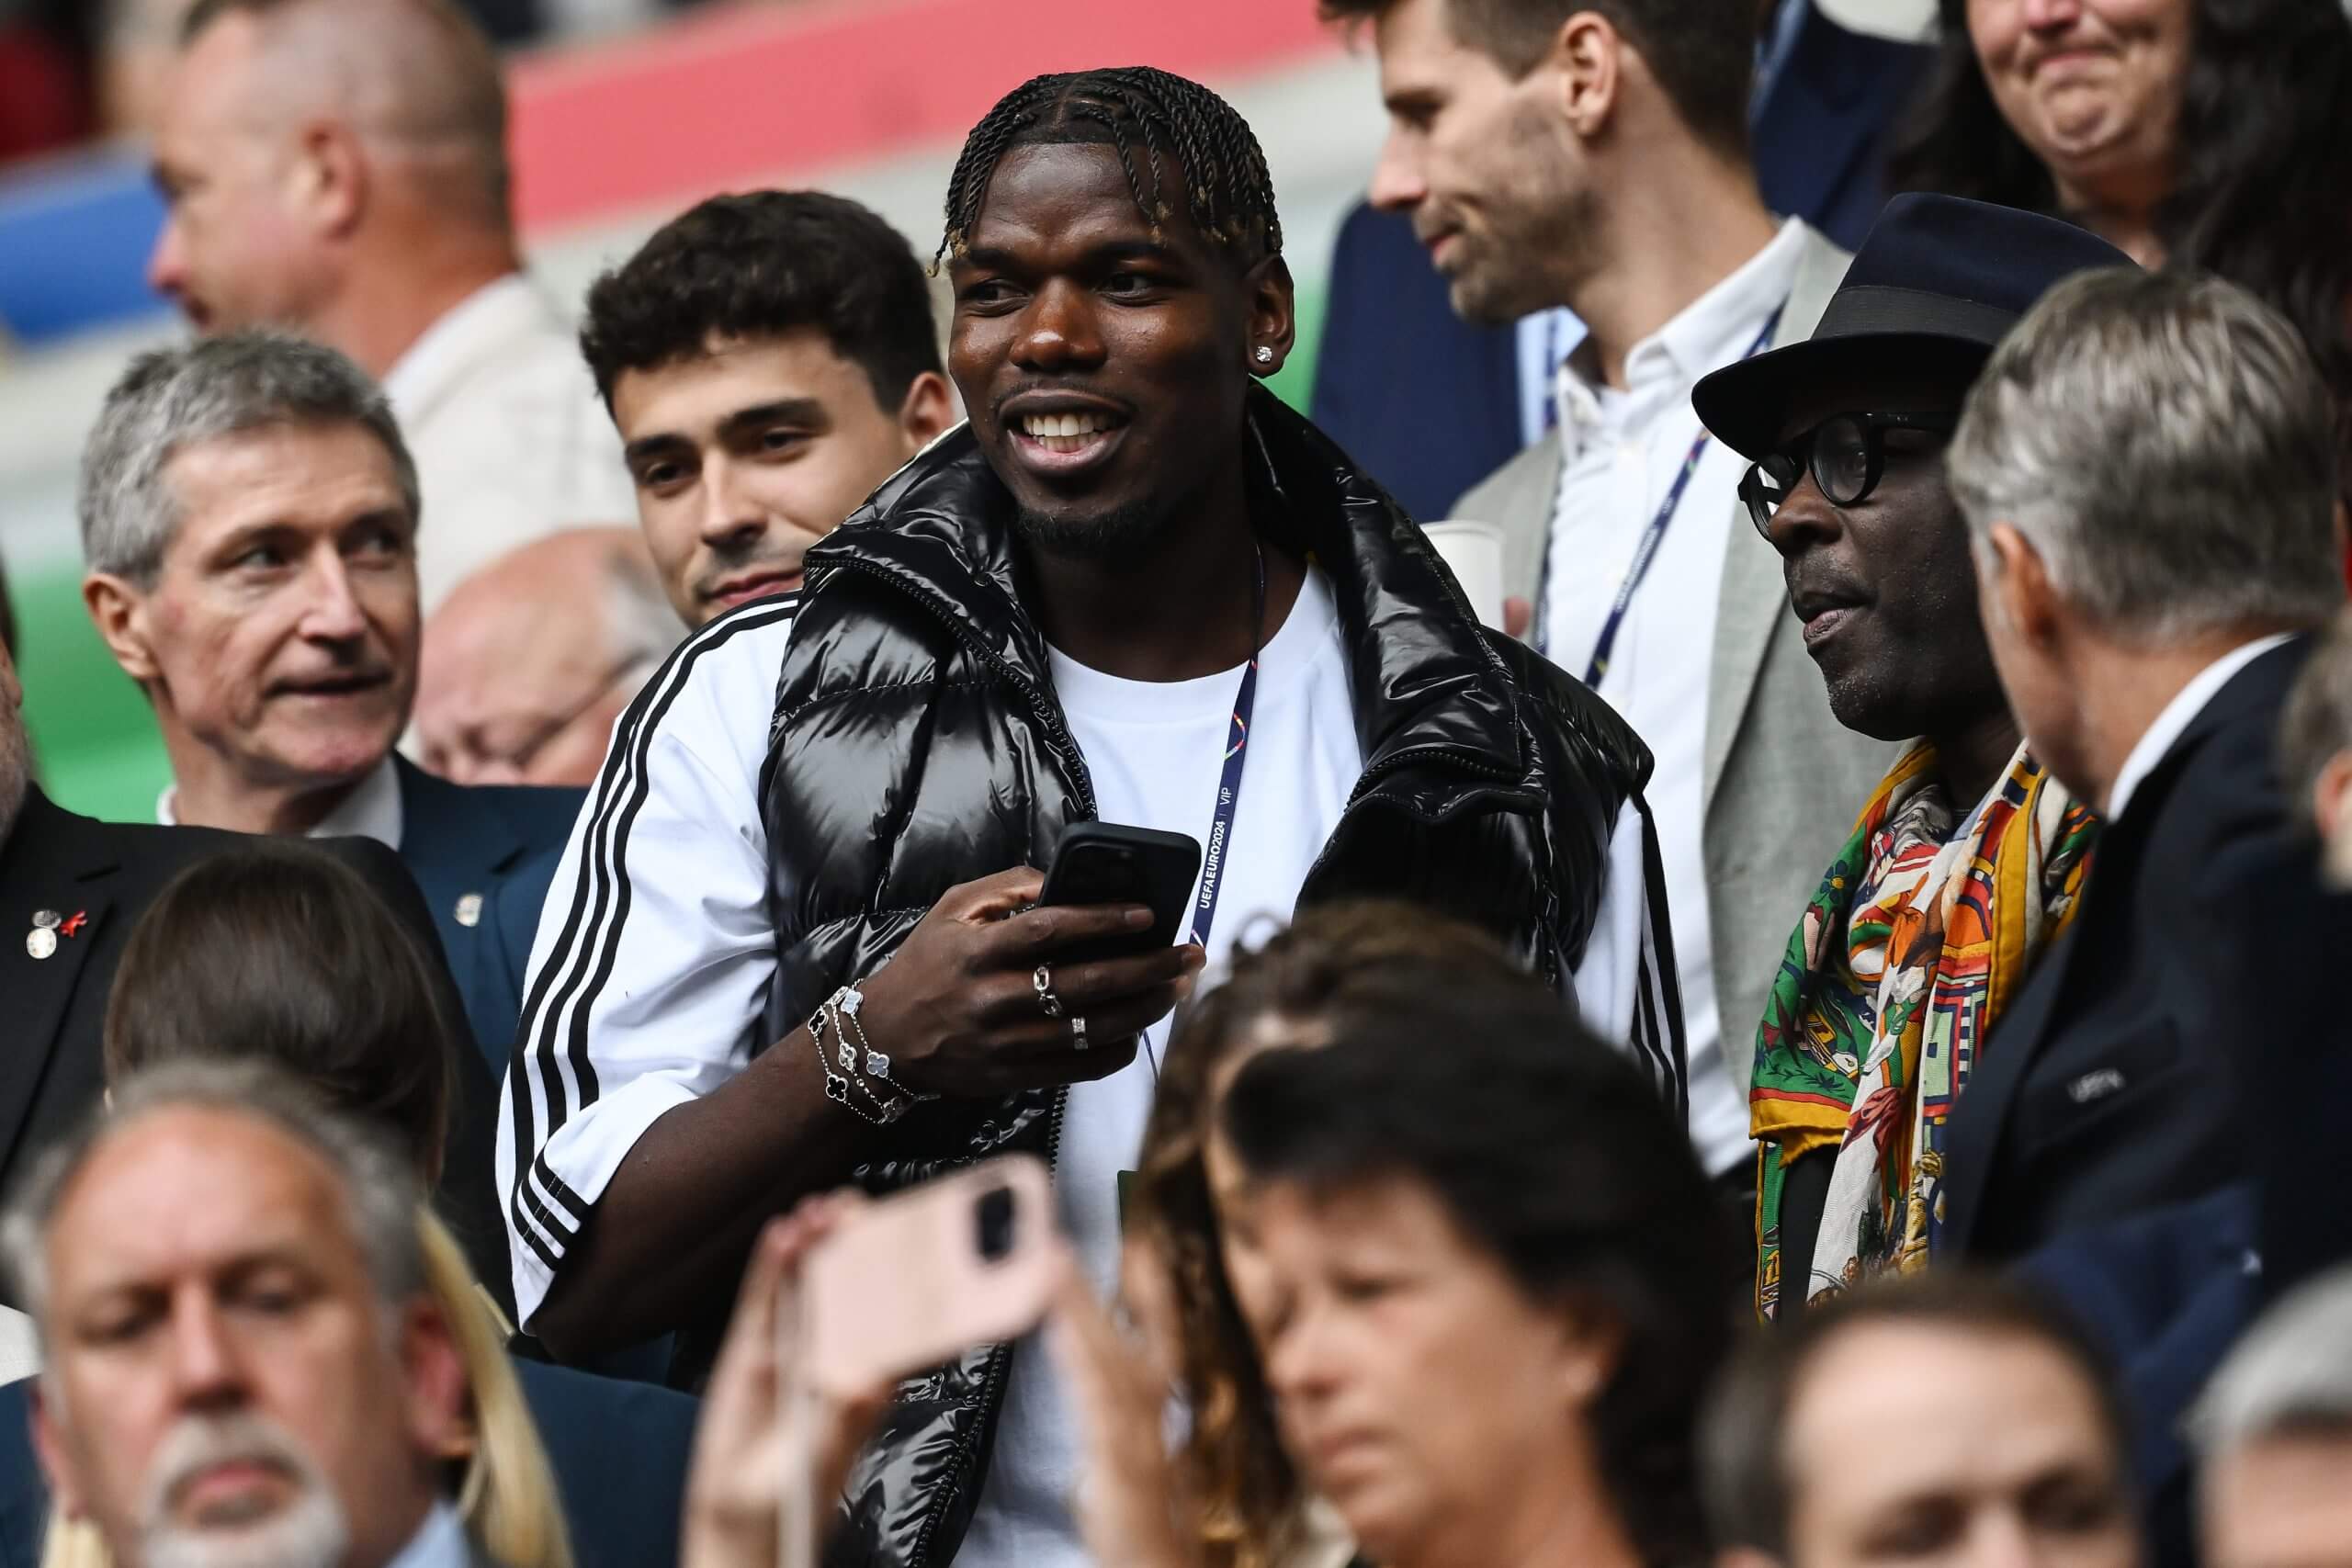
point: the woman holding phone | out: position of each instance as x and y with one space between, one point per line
1408 1243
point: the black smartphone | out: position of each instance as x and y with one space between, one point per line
1109 863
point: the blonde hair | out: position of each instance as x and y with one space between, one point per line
508 1495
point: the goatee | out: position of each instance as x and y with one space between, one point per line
1110 535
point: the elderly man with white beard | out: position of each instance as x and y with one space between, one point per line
244 1364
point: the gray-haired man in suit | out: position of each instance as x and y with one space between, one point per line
1551 156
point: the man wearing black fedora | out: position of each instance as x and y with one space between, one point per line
1963 863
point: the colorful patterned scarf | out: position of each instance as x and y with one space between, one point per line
1921 933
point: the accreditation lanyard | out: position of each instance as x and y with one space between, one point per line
1228 784
1645 552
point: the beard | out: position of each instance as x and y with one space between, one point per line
309 1532
1111 535
1538 229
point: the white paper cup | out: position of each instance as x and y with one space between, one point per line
1474 551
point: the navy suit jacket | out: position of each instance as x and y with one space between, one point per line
487 852
2117 1082
1818 133
619 1452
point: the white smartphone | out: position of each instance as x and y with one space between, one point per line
918 1278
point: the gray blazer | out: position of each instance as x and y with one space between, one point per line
1785 779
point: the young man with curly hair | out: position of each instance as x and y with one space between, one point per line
769 358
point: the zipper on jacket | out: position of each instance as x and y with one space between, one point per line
992 1388
1064 746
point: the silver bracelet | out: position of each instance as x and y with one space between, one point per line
841 1089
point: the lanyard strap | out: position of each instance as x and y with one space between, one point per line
1645 552
1229 786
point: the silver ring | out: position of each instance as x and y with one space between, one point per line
1078 1034
1043 980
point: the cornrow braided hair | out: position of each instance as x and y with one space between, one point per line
1228 194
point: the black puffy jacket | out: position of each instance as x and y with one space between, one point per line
917 744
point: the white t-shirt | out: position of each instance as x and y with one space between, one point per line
1155 751
1621 452
655 953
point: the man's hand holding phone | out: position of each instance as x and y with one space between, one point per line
959 1012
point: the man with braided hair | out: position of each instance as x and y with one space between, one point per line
1135 588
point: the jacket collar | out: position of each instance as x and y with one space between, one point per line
448 824
1427 683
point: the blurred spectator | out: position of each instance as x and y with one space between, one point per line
2210 133
338 168
278 951
2275 1433
2316 749
769 359
249 512
1555 155
266 953
1965 859
760 1420
1947 1419
246 1357
2148 652
7 616
1313 982
528 665
79 888
1479 1291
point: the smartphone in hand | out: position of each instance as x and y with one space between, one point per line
1109 863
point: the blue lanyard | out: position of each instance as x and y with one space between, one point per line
1229 786
1643 554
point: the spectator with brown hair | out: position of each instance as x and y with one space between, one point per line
768 358
1429 1252
1937 1420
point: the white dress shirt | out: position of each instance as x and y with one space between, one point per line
2177 716
1620 451
372 809
510 438
439 1543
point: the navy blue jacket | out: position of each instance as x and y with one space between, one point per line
487 852
619 1452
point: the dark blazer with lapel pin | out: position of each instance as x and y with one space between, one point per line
2112 1085
482 856
52 1009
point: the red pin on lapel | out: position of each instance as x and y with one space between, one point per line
72 926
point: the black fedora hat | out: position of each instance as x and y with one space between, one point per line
1938 277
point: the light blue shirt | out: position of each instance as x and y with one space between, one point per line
439 1543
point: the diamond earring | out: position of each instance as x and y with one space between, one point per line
1265 354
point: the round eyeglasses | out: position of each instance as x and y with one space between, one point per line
1846 453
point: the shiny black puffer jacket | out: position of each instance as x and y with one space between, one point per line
916 744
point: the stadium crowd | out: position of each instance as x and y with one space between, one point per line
1762 999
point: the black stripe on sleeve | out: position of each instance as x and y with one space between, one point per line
592 924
